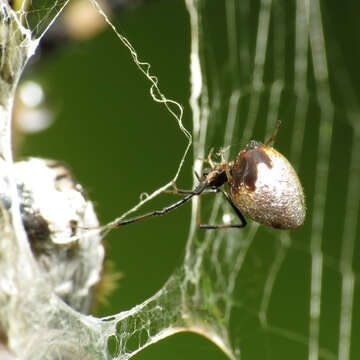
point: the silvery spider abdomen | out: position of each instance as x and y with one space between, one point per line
264 186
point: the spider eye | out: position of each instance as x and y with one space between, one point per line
205 173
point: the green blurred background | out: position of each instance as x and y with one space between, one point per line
120 143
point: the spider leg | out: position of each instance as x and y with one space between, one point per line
209 158
185 192
178 191
197 191
273 136
231 226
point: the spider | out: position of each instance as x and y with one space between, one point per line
262 185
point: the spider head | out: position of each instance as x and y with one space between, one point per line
214 177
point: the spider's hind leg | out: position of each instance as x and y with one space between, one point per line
223 226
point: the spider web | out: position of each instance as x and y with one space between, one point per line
257 293
38 16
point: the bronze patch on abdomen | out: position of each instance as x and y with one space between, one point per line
244 171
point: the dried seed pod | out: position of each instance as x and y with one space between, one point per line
53 207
